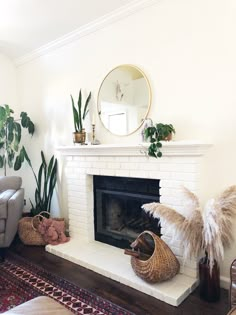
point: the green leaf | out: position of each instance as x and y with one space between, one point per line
23 116
75 115
46 181
159 154
86 110
25 155
80 123
17 164
31 128
1 161
2 117
50 166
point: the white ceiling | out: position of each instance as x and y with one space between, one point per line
26 25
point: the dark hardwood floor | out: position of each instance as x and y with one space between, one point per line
130 299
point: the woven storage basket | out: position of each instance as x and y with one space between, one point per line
28 233
27 229
162 264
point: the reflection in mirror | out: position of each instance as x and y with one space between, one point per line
124 99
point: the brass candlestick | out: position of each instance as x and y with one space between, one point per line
93 134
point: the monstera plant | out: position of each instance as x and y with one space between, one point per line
12 153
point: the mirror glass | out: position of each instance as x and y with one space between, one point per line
124 100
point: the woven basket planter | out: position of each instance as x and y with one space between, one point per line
162 264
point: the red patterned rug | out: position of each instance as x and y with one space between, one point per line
21 281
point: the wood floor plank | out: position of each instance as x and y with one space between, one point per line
131 299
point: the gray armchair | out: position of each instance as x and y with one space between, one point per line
11 207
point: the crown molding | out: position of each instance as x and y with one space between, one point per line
85 30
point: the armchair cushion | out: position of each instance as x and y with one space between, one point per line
4 197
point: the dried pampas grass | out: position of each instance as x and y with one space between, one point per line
209 229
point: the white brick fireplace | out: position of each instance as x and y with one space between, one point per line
179 166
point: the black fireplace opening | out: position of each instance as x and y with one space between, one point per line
118 216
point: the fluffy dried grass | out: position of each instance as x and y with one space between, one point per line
209 229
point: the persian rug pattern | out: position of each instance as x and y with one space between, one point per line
21 281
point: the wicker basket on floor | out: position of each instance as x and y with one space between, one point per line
28 233
162 264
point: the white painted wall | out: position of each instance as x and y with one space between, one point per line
187 49
7 81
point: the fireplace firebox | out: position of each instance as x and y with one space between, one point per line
118 216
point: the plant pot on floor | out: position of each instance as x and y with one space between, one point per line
209 280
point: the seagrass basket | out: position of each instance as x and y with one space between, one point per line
27 230
162 264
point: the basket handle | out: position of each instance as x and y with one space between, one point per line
39 216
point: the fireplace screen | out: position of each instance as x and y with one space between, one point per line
119 218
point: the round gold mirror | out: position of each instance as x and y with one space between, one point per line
124 100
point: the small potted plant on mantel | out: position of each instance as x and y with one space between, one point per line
79 115
156 134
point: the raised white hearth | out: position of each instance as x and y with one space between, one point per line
179 166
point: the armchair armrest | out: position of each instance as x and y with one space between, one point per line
10 182
15 208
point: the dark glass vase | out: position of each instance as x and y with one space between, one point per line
209 282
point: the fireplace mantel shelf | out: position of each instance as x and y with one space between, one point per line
171 148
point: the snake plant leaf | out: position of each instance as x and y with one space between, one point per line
80 123
39 182
50 166
75 115
52 182
86 110
46 181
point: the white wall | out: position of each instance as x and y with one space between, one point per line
187 49
7 82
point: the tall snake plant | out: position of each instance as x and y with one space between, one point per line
80 113
45 184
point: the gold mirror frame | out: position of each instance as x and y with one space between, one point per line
116 112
